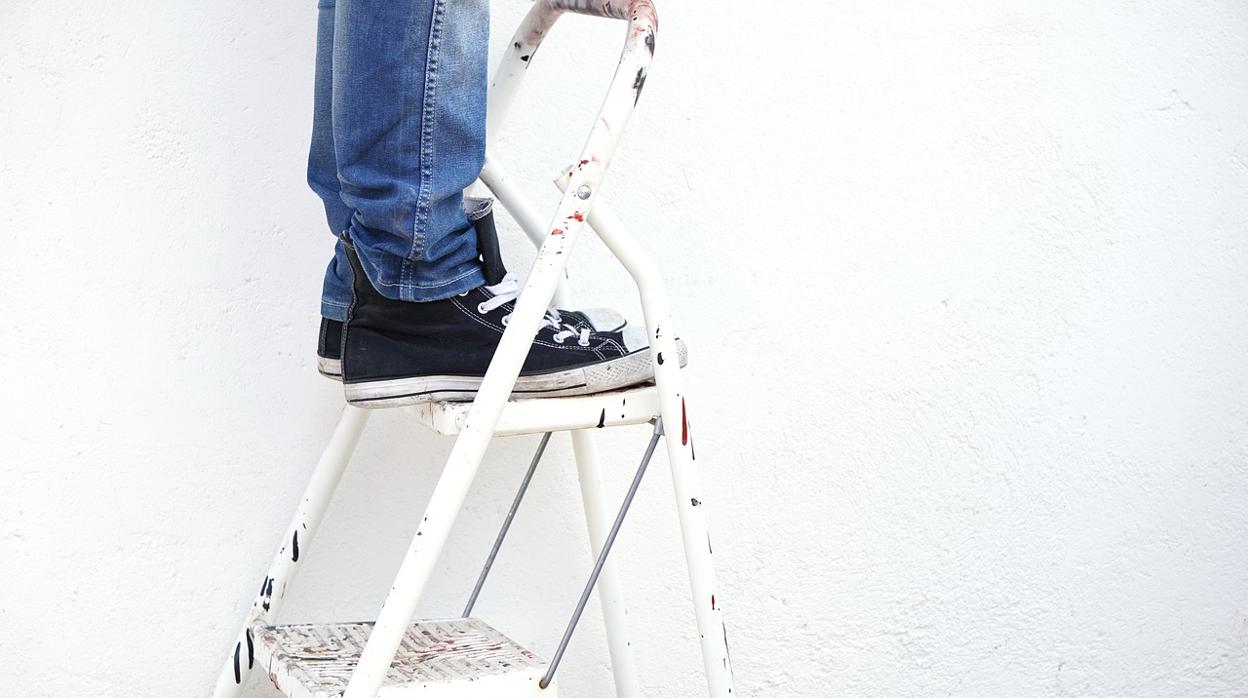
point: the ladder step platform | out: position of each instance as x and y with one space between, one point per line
636 405
459 658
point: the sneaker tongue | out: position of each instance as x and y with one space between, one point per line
481 213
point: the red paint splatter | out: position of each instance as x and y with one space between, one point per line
558 231
712 602
584 162
684 424
578 216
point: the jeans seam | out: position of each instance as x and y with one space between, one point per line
427 125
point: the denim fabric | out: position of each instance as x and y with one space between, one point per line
398 133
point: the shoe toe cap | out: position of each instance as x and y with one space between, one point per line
635 339
604 319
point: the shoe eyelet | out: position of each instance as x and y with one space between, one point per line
481 308
583 344
506 319
557 339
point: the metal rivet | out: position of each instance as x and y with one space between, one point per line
583 191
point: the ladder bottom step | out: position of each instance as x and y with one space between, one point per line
459 658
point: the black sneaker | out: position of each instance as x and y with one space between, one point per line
401 353
480 211
329 344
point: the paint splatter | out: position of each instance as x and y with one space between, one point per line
638 83
602 418
238 672
251 650
684 424
650 42
694 501
294 547
659 358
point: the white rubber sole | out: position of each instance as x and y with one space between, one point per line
330 368
623 372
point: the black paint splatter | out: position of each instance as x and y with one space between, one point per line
660 358
638 83
650 42
517 45
251 650
602 418
527 56
238 672
695 502
294 547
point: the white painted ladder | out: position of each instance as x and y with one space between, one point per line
465 657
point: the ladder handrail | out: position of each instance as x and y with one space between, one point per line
634 63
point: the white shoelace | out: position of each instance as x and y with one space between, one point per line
508 290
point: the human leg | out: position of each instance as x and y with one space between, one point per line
409 82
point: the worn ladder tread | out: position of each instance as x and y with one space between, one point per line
460 657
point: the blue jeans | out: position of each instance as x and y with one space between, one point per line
398 132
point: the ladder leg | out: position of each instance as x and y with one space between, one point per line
695 536
312 506
598 518
691 509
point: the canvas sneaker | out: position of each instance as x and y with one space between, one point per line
329 342
400 353
480 212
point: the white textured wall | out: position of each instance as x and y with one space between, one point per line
966 288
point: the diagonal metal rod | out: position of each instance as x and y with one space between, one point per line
502 533
602 555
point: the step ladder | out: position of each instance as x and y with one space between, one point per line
465 657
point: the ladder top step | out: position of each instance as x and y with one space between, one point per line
635 405
459 658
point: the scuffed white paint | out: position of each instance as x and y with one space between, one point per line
966 299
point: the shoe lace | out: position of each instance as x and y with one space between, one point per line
508 290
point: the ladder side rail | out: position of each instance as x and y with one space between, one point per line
303 525
548 268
